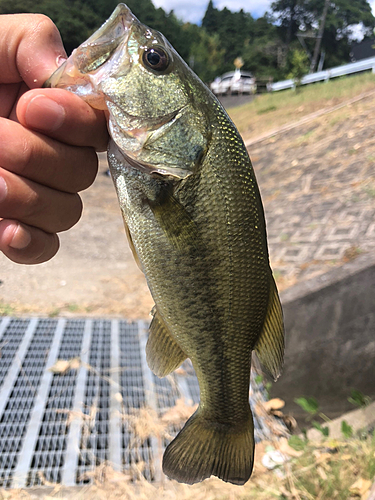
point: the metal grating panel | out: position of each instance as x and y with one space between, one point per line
62 427
137 455
94 445
15 417
51 442
10 341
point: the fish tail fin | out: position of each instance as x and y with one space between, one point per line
204 448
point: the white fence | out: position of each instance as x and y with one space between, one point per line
347 69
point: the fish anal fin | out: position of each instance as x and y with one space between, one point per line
162 352
204 448
271 343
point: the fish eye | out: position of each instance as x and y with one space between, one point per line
155 58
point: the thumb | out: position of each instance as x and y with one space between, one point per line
30 49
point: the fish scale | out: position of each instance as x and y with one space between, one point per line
195 223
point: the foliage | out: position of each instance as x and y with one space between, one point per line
268 45
309 405
346 429
304 16
320 428
75 19
297 443
357 398
206 55
299 66
264 54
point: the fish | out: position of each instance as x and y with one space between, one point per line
194 219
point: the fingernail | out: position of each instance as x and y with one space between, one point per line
3 189
44 114
21 238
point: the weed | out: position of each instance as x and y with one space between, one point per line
297 443
266 110
72 307
6 309
54 312
357 398
346 429
370 191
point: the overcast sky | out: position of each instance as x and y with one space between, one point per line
193 10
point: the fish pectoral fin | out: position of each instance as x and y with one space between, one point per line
271 343
205 447
132 247
163 354
176 222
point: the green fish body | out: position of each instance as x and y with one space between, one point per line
195 223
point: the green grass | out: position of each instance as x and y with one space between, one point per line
6 309
288 106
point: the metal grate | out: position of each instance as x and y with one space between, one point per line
10 342
61 428
21 398
49 450
94 445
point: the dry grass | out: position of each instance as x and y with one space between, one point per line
329 471
270 111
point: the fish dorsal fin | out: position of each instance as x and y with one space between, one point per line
163 353
132 247
176 222
270 346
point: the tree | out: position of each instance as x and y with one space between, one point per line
299 66
74 18
305 16
234 29
210 20
206 55
262 53
290 15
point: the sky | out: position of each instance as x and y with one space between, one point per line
193 10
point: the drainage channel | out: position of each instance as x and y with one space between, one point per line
62 427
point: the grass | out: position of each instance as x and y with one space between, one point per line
6 309
269 111
329 471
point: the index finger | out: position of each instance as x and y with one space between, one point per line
30 49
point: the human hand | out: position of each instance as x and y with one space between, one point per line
48 139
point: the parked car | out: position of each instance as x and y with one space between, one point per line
221 84
234 82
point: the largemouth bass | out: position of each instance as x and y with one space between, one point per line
195 223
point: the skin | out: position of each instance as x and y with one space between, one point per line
48 139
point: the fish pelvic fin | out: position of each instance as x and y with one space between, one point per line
204 448
131 245
163 354
271 343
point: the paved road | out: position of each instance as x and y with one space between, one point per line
232 101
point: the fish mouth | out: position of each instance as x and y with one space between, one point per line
85 68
